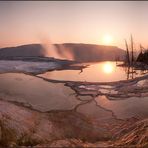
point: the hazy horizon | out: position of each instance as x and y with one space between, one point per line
17 45
89 22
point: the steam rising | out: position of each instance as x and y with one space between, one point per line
59 52
80 52
69 51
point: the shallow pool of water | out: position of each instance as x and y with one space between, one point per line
126 108
96 72
37 93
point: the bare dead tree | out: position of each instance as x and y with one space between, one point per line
132 50
141 49
127 53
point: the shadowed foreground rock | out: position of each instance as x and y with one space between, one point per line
20 126
23 126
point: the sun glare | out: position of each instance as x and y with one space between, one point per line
108 68
107 39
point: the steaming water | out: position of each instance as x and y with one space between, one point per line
96 72
52 51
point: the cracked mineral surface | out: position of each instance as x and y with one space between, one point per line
36 111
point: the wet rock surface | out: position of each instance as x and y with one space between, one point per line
23 126
37 112
114 90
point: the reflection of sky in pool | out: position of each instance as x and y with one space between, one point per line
96 72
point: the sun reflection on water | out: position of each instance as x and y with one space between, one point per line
108 67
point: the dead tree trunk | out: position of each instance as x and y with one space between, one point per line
132 51
127 53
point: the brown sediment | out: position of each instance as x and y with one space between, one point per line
30 127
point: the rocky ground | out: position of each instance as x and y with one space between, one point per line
35 111
21 126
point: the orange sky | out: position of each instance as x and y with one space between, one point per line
74 21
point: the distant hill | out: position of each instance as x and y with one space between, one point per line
24 50
72 51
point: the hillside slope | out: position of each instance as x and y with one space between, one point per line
70 51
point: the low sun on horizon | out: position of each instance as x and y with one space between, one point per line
107 39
